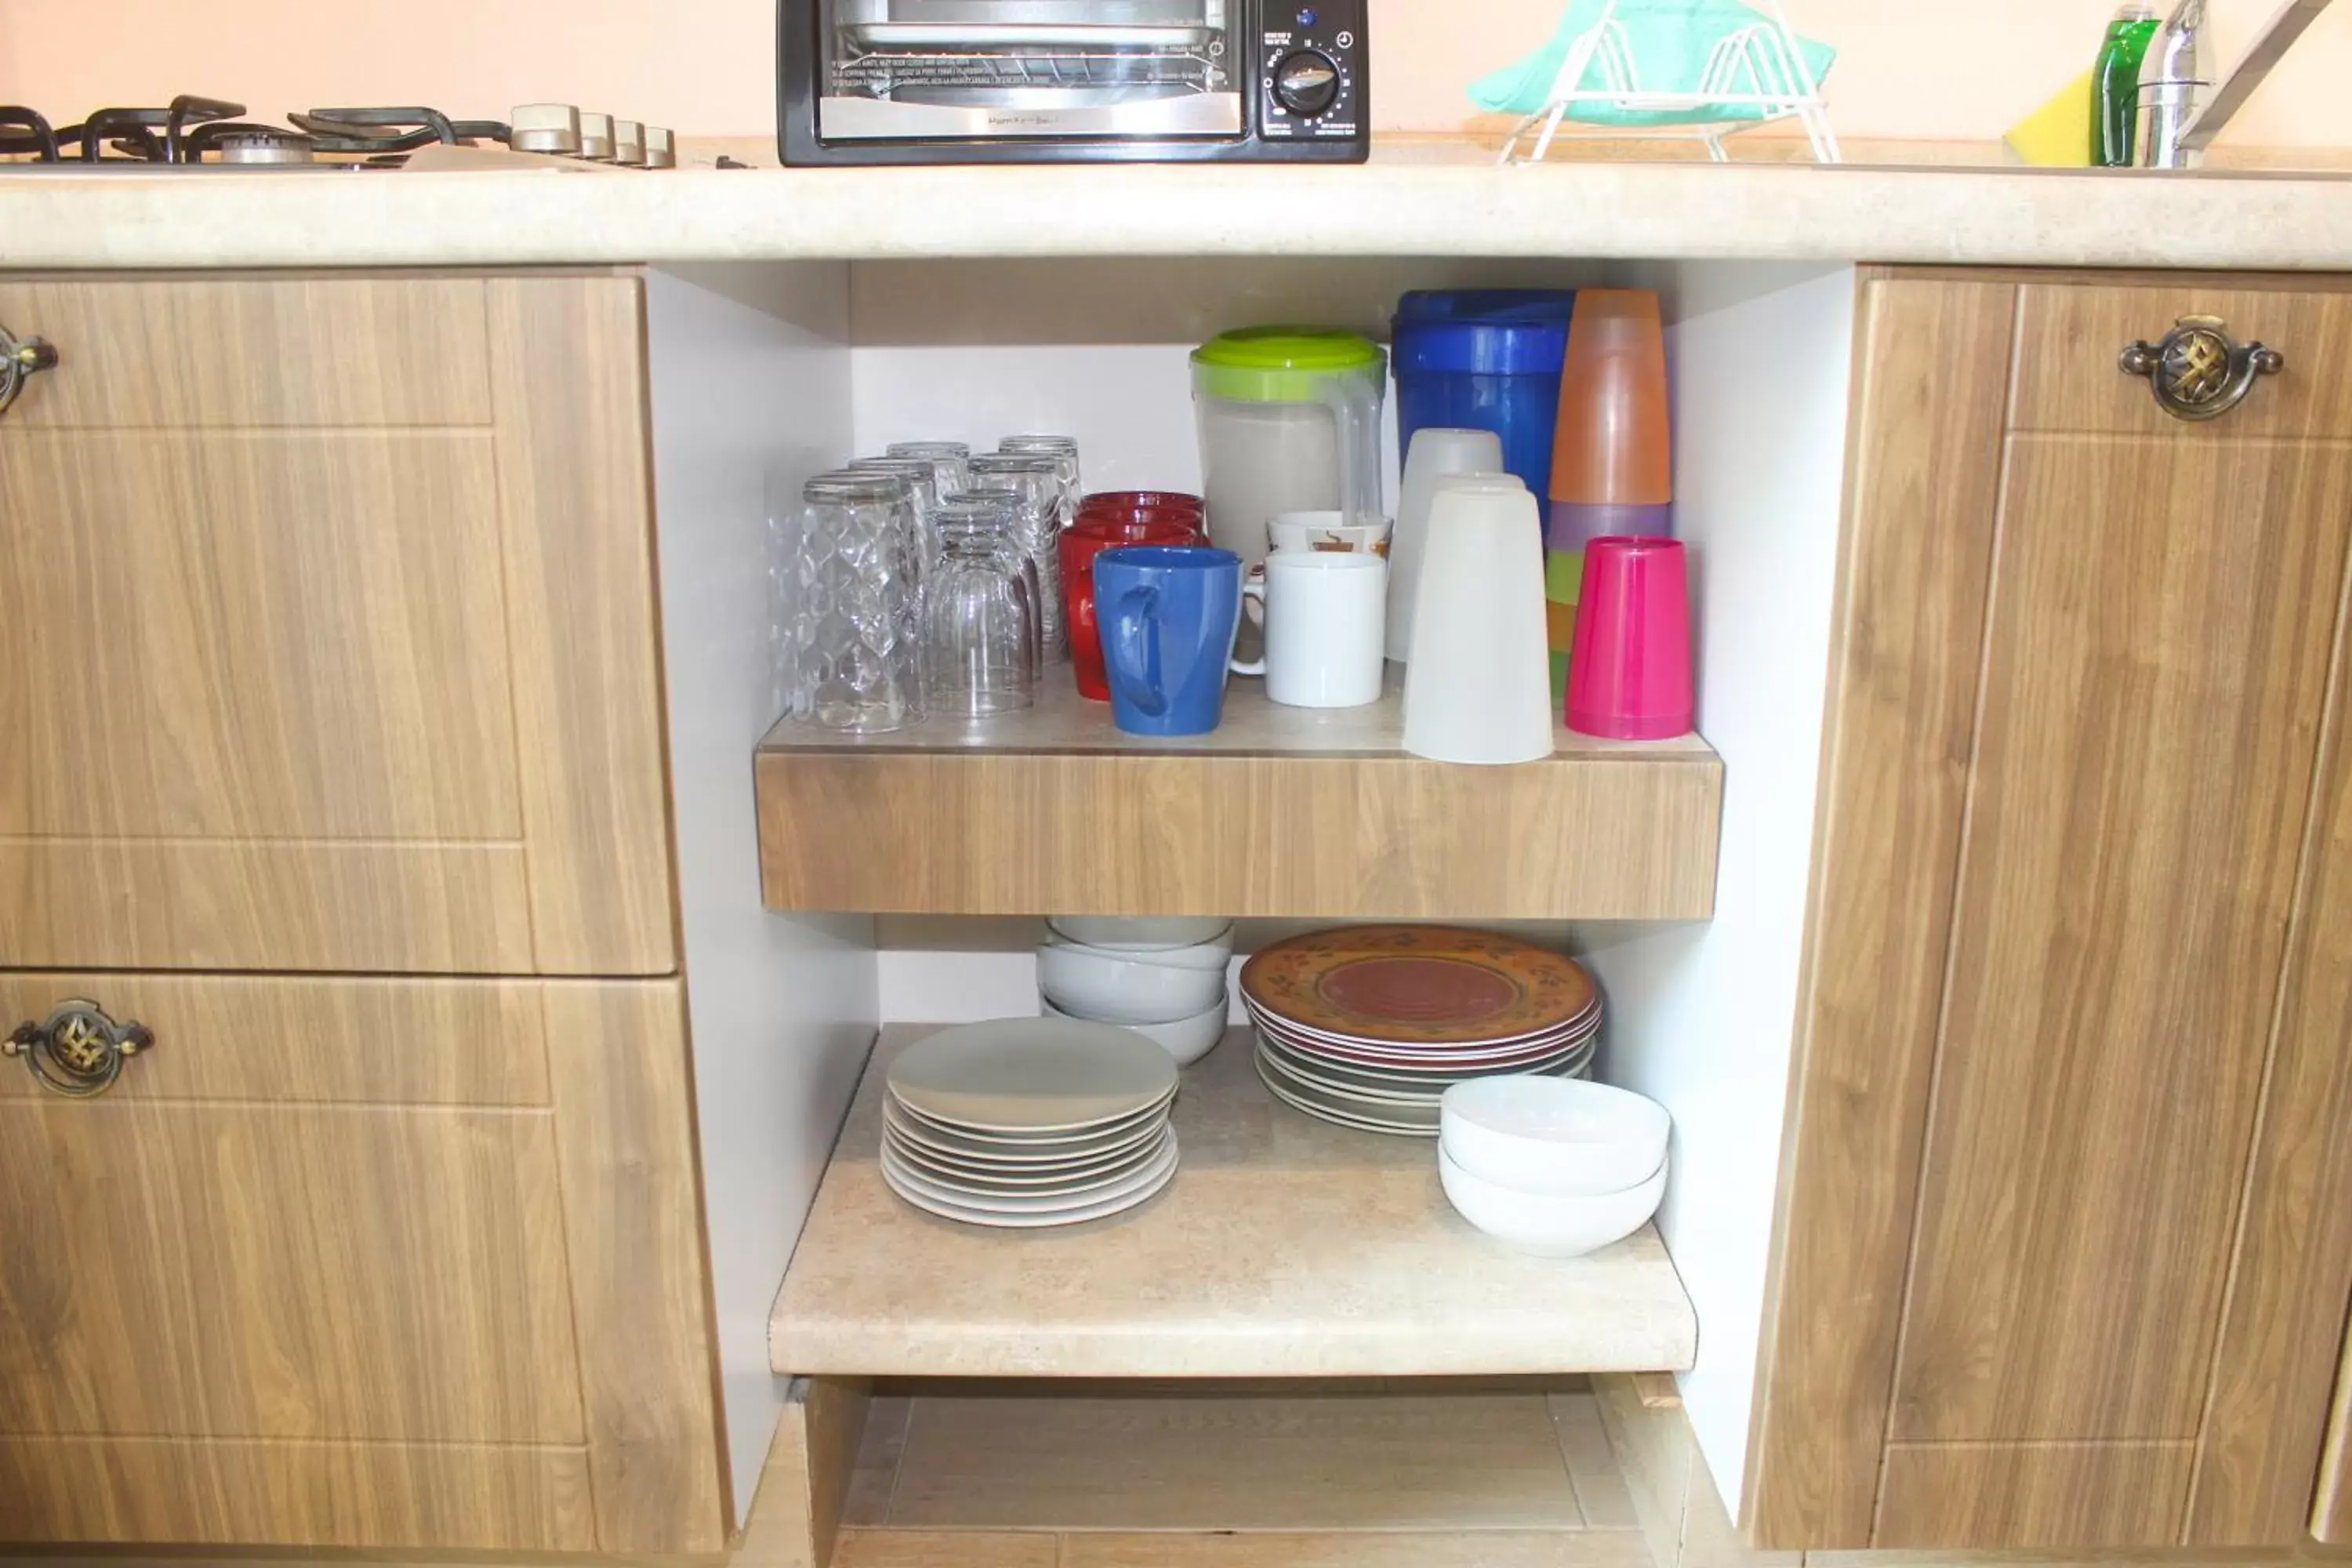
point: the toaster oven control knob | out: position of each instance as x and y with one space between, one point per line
1306 82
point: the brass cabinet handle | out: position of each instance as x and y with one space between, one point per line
21 359
2199 371
77 1051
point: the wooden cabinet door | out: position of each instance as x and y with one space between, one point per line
358 1263
326 629
2087 1019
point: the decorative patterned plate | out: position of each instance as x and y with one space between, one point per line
1292 1068
1410 985
1426 1084
1585 1022
1447 1059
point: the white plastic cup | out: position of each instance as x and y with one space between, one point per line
1436 453
1325 612
1478 686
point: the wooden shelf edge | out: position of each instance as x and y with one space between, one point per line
1305 835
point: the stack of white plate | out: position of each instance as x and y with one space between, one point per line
1369 1026
1027 1122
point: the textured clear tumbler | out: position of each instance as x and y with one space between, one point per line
854 603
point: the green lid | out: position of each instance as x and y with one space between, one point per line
1281 364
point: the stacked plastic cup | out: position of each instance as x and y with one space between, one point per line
1612 472
1631 679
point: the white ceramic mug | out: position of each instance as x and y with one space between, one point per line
1326 616
1327 531
1478 686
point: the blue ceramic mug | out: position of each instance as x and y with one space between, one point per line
1169 618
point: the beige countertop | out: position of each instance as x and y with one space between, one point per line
1284 1248
1409 201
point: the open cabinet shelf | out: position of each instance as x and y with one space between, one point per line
1411 1471
1280 812
1284 1248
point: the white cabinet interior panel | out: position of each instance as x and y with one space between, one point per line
749 372
1702 1017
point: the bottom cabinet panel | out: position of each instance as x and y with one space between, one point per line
158 1489
2020 1495
358 1263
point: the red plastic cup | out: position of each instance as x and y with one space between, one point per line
1630 677
1142 506
1078 546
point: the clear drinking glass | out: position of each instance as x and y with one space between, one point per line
1063 450
948 460
783 498
1001 510
980 620
855 593
923 482
1037 481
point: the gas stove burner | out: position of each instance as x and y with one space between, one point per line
206 133
115 135
231 143
24 131
379 131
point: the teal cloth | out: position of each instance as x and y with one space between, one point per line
1671 40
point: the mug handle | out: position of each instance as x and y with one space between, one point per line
1253 590
1132 650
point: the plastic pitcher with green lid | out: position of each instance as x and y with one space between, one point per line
1290 421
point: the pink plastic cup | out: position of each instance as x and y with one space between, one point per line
1630 677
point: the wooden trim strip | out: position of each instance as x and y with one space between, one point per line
2277 1356
1932 380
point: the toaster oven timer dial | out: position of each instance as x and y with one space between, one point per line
1307 82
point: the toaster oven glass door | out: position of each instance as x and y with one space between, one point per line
962 70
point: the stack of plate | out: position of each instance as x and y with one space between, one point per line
1368 1026
1029 1121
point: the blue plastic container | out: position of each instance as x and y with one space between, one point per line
1485 359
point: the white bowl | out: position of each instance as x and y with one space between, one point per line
1548 1226
1115 988
1148 934
1553 1137
1186 1039
1215 954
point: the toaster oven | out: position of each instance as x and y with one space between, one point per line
939 82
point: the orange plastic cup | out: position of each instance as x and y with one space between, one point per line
1614 444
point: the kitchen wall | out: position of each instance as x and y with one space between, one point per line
703 66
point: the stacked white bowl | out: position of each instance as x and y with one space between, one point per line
1162 977
1558 1167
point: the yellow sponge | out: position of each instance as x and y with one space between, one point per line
2058 134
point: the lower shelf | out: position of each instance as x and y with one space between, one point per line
1169 1460
1284 1248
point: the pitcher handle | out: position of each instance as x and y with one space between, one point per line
1355 404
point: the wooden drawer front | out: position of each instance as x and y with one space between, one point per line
332 1272
338 699
218 354
2069 339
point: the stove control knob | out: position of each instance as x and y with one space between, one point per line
553 128
595 137
1306 82
629 143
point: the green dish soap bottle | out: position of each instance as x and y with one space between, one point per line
2115 86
